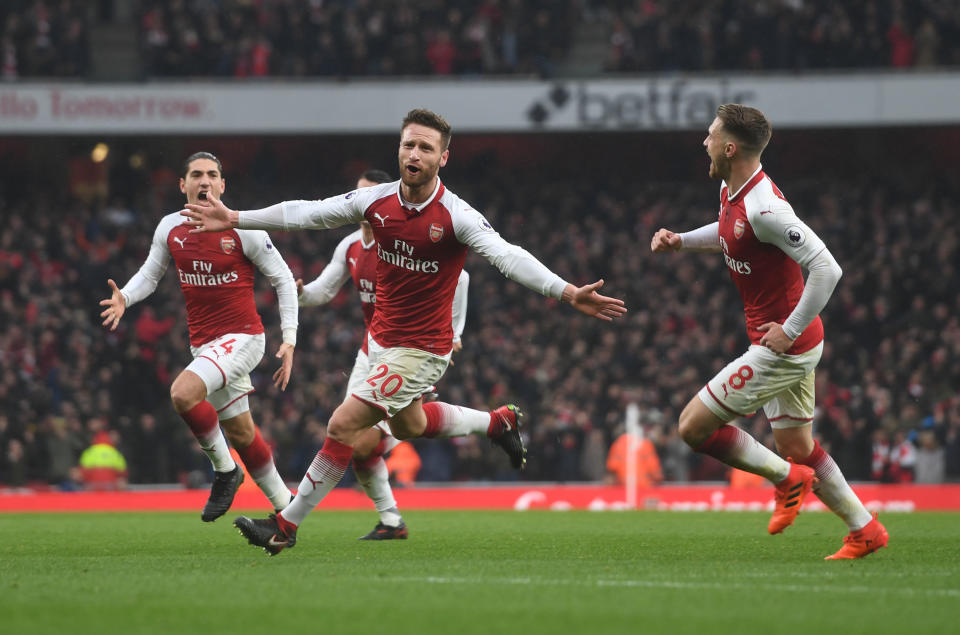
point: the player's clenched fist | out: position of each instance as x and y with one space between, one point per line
665 240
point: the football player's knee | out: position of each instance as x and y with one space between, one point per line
690 431
182 397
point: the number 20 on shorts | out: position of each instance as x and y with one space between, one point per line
387 384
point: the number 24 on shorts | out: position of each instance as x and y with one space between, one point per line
383 381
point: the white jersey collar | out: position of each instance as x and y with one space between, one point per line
419 206
730 196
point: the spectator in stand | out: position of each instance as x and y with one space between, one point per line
648 471
102 466
403 464
930 466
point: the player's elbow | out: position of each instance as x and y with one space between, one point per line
836 271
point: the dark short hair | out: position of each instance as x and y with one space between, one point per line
747 125
377 176
201 155
430 119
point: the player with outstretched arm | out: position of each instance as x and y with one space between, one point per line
423 232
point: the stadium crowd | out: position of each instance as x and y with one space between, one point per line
779 35
233 38
888 406
395 38
340 38
43 39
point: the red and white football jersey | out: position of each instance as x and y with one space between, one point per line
215 271
421 249
765 245
352 259
357 260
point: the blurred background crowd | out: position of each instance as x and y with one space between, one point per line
888 407
546 38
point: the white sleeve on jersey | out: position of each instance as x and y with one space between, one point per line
706 238
460 305
473 230
780 226
325 287
258 247
145 281
328 213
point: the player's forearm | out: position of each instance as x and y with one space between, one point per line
519 265
267 218
297 215
460 305
316 293
825 272
289 311
703 239
143 283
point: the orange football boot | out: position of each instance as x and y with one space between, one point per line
789 496
863 542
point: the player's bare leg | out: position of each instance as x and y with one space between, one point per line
245 436
373 476
705 432
188 394
347 424
867 534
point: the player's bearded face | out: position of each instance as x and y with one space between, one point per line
202 181
421 155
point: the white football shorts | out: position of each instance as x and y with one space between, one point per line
783 385
224 365
395 377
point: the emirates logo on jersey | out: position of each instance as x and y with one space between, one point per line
436 232
738 227
227 244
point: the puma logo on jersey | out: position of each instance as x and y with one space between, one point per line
353 262
382 219
179 241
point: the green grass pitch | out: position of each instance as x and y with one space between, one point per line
476 572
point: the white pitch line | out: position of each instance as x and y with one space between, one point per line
677 584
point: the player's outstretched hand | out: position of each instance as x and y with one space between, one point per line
586 300
116 306
209 215
665 240
282 375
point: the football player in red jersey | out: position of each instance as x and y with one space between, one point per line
356 257
226 334
765 245
423 232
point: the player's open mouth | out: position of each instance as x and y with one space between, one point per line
202 195
413 169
